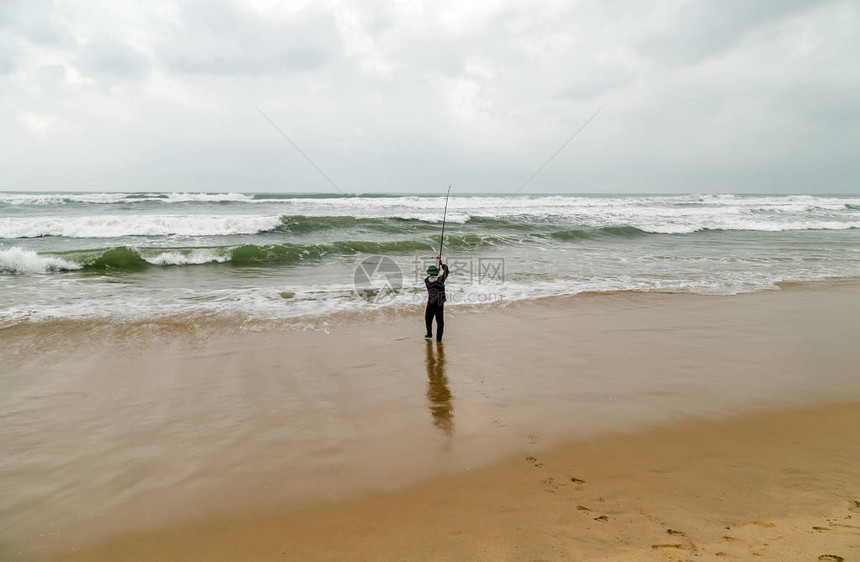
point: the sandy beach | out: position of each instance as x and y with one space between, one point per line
761 487
617 426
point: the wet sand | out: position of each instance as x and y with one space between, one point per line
777 486
226 441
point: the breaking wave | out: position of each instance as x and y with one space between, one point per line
17 260
117 226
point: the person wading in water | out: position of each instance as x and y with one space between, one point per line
435 300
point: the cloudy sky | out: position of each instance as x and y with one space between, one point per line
696 96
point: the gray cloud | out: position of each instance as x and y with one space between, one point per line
586 84
51 77
110 60
7 54
223 38
34 21
696 31
700 96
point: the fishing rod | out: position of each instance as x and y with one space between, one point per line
444 216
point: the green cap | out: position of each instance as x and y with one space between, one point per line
432 270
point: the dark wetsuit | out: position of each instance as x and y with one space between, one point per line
436 304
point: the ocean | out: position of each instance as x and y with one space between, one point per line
131 257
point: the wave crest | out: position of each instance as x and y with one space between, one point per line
115 226
18 260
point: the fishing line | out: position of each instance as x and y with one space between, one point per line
556 153
300 151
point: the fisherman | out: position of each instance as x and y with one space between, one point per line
435 300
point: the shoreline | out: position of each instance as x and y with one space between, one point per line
325 321
146 427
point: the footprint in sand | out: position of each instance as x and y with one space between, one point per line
602 519
844 526
686 543
578 483
549 485
582 508
535 461
831 558
855 506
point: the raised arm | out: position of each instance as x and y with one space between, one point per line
444 275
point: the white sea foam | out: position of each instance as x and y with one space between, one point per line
206 197
487 202
41 199
134 303
113 226
657 214
670 215
195 257
460 218
17 260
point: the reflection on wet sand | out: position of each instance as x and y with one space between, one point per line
438 393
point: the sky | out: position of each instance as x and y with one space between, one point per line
690 96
